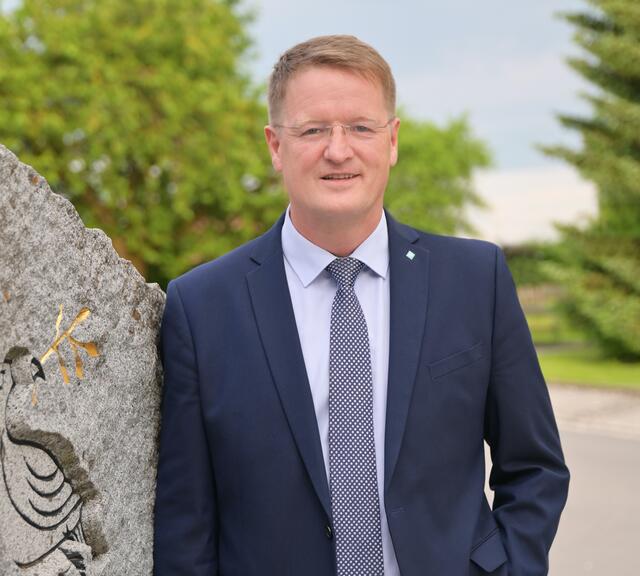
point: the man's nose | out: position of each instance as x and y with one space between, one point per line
338 148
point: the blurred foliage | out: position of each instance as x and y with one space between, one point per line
142 113
527 262
139 112
601 274
430 186
600 265
548 327
541 298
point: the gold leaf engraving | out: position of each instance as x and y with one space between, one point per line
76 345
34 394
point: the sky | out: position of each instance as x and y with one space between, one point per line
500 62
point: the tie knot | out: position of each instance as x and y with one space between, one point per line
345 271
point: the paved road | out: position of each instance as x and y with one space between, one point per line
600 529
599 533
607 413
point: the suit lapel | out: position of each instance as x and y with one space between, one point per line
409 268
276 323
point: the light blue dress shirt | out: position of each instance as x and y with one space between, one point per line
312 290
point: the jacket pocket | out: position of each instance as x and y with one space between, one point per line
457 360
490 553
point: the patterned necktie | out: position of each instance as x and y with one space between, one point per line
352 457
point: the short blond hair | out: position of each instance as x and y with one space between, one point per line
337 51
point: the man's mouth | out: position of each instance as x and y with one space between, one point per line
339 176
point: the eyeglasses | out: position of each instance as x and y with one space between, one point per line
312 132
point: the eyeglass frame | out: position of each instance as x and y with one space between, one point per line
326 130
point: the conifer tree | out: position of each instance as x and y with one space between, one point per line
600 264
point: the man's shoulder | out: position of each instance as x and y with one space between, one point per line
447 246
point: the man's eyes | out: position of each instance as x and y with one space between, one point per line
314 130
361 129
325 130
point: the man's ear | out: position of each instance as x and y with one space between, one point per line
395 126
273 142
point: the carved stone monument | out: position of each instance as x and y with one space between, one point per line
80 383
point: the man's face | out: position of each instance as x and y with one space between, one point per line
340 177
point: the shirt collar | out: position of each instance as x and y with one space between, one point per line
308 260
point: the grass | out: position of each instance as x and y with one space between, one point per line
585 365
566 356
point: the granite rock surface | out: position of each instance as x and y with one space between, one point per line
80 384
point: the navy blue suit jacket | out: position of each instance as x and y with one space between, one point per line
242 489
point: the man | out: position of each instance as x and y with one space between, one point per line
328 386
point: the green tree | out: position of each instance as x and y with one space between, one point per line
600 265
431 185
139 111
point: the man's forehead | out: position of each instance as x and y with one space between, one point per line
316 90
351 120
327 70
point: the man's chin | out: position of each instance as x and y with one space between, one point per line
346 214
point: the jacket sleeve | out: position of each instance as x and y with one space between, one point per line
528 475
185 539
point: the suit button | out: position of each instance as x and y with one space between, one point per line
328 532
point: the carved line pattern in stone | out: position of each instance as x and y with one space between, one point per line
36 487
63 480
